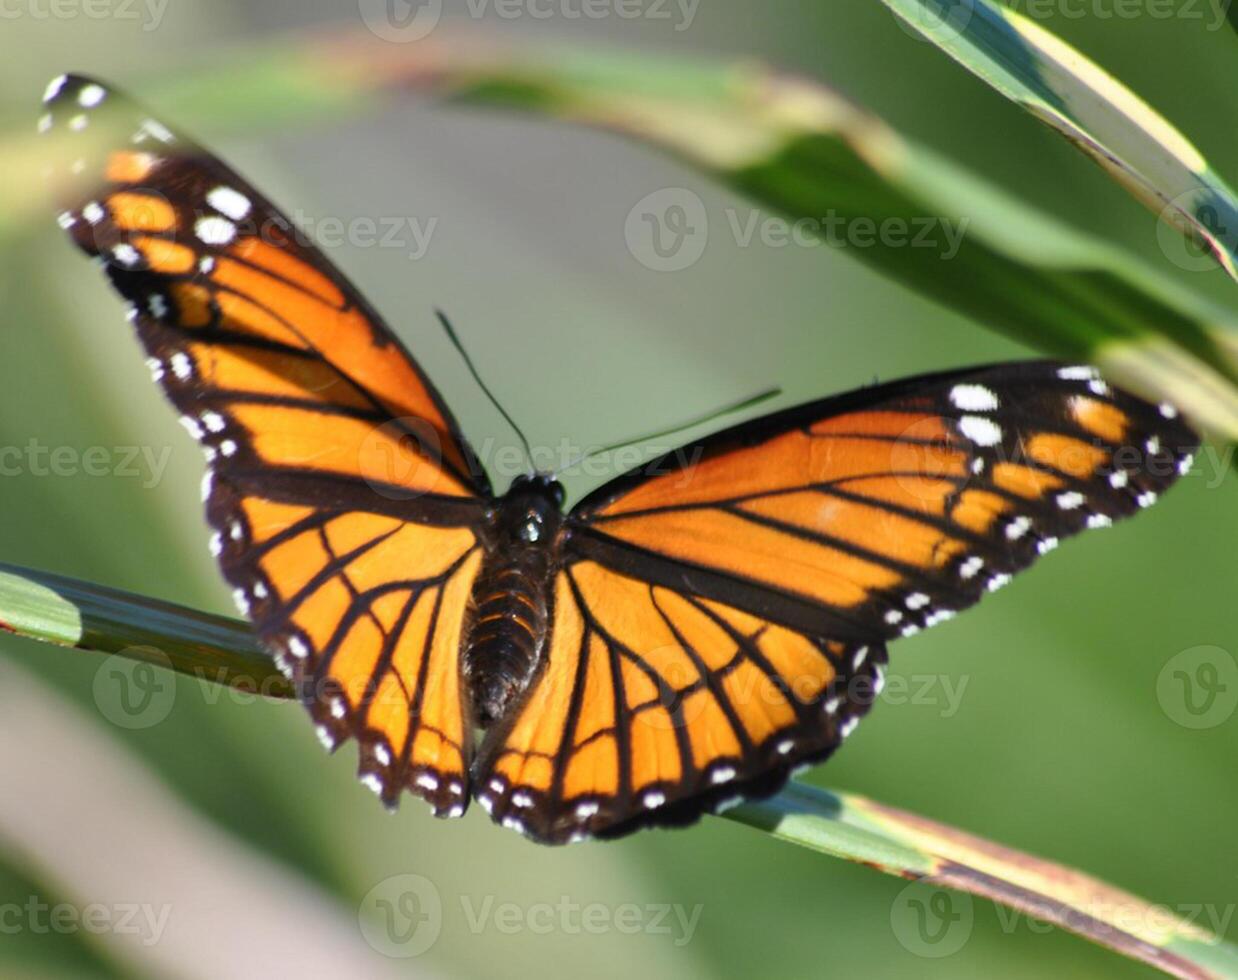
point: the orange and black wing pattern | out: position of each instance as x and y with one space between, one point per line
345 503
719 623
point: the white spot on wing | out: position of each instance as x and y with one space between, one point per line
1080 372
214 231
93 212
126 254
1018 527
229 202
981 431
973 398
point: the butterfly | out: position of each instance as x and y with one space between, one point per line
687 636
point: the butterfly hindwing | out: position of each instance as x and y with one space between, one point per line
346 506
759 581
657 704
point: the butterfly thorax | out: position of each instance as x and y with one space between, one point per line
511 596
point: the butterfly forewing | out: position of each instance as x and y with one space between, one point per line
344 501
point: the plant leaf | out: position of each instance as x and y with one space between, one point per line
793 146
76 614
914 847
1066 91
69 613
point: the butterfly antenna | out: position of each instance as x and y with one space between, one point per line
739 406
468 361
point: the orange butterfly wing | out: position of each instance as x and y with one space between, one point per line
719 623
346 504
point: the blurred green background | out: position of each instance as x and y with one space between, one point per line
1046 719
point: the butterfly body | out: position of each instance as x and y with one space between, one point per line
687 636
512 596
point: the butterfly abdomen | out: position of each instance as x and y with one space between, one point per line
511 602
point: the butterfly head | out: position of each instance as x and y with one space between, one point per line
533 504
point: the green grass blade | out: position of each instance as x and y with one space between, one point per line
940 857
1097 113
76 614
